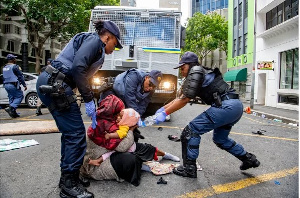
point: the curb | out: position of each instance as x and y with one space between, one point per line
275 118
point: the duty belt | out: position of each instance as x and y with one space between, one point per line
230 96
60 76
14 83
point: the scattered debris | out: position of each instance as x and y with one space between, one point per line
293 124
160 128
9 144
260 132
174 138
277 182
247 110
161 181
199 168
277 120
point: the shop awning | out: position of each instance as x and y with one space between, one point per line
236 75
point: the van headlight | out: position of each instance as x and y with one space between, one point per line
96 81
166 85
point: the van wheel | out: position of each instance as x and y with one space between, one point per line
31 100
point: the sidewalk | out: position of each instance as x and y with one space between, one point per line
280 115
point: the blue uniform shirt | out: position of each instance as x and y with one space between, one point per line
129 87
12 73
82 57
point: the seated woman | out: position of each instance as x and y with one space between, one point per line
125 119
120 165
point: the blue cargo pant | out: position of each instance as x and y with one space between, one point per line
70 124
15 95
220 120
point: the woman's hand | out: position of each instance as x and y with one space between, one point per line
133 127
107 136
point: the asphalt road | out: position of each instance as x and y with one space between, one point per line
34 171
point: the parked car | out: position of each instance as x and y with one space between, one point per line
30 95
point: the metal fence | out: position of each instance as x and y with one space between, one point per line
143 28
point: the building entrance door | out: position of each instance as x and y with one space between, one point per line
261 93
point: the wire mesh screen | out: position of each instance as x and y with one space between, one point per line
143 28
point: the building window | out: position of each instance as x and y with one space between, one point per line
269 20
289 69
240 45
7 28
280 13
234 16
240 12
295 8
33 52
288 99
10 46
246 9
17 30
274 17
32 38
234 48
287 10
284 11
245 43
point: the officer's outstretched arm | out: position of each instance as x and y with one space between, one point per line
176 104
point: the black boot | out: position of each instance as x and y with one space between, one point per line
70 187
11 112
189 170
38 111
249 161
81 180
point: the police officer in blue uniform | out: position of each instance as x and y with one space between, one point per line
12 78
226 110
136 87
82 57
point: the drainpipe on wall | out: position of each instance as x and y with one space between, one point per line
254 61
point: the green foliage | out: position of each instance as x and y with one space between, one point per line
53 18
205 33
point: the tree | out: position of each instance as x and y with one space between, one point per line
45 19
206 33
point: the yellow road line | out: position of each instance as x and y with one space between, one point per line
264 136
261 136
234 186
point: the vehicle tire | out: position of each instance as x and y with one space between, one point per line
31 100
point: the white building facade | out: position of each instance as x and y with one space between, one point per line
277 54
14 40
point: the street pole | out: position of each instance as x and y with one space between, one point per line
254 61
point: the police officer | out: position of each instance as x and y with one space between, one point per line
81 58
12 77
136 87
226 110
